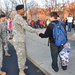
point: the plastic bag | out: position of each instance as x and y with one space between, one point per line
65 55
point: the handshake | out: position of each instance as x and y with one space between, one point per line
38 33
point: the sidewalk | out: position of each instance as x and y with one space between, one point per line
39 53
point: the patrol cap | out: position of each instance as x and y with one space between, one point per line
18 7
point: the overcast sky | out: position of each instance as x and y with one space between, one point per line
40 2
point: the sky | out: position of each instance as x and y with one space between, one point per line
41 3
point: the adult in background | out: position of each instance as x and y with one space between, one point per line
74 22
32 23
19 28
69 21
2 42
4 33
9 27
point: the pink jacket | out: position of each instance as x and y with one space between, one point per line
9 25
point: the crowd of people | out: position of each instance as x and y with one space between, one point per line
16 29
38 23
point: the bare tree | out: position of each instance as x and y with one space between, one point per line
7 8
55 1
10 6
14 3
21 1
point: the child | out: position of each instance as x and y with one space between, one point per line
54 48
1 53
9 27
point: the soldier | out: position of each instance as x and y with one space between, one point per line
19 28
1 53
4 32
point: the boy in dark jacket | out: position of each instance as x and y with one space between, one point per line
54 49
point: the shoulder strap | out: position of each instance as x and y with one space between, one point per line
55 23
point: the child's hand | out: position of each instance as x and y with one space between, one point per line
38 33
65 45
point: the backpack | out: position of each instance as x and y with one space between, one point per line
59 34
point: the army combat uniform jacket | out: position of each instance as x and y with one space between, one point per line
19 28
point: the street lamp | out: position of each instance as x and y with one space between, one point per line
26 8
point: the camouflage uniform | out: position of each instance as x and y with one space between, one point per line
1 58
4 35
1 54
19 28
2 39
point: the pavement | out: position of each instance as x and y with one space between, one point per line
38 52
10 65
